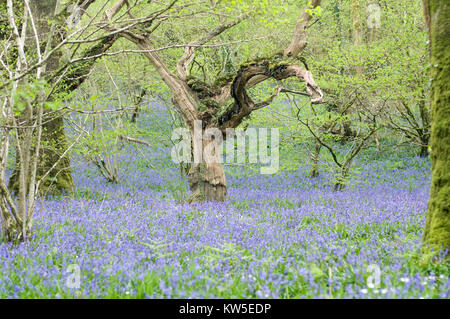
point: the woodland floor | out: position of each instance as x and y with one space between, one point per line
276 236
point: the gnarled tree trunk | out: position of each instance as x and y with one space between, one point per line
207 182
199 101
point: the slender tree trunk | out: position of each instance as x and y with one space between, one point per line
54 139
437 228
315 160
356 8
54 143
423 151
424 131
139 94
53 134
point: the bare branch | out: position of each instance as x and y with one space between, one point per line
188 56
298 42
134 140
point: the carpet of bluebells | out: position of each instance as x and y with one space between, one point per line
277 236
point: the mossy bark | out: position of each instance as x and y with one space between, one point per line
54 140
54 144
53 135
437 228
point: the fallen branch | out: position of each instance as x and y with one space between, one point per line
134 140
